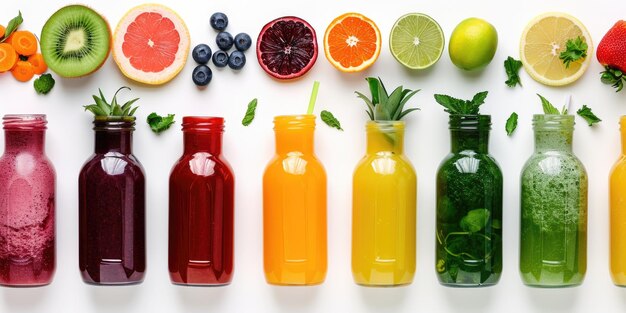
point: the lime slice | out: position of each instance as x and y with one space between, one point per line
416 41
542 42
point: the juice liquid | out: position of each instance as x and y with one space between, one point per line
617 193
294 207
384 210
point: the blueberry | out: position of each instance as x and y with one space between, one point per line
224 40
219 21
202 75
243 41
201 54
220 58
237 60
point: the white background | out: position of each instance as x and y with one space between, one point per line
70 142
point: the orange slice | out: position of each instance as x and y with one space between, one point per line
352 42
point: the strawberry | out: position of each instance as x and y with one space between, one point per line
612 55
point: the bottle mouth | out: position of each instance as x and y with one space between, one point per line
114 123
470 122
294 122
203 124
385 126
24 122
547 122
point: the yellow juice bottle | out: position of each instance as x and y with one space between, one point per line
617 195
384 209
294 206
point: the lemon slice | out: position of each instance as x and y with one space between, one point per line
416 41
543 41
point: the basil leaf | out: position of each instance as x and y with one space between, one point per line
330 120
590 118
475 220
511 124
159 123
512 67
548 108
250 113
12 26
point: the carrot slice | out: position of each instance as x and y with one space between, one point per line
38 63
24 42
8 57
23 71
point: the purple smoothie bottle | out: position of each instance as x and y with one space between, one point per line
27 204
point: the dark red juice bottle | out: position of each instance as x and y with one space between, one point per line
201 207
112 232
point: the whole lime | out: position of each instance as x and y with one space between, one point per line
473 44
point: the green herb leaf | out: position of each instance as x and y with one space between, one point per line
548 108
250 113
475 220
511 124
457 106
590 118
330 120
12 26
575 49
512 67
114 109
159 123
44 83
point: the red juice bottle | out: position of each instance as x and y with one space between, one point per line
112 232
201 207
27 204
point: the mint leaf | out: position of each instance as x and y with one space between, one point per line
44 84
590 118
12 26
457 106
250 113
512 67
575 49
475 220
330 120
548 108
159 123
511 124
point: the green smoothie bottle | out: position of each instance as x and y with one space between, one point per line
553 239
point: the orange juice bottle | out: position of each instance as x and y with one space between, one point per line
294 206
617 195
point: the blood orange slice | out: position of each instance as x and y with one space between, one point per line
352 42
287 47
151 44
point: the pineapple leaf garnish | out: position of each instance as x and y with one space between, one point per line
102 108
384 106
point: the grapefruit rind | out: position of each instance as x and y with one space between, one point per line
541 77
151 78
366 63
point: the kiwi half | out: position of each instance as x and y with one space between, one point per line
75 41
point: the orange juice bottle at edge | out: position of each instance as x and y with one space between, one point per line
294 206
617 196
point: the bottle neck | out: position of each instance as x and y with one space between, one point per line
290 140
470 133
553 133
385 137
472 140
114 141
210 142
17 141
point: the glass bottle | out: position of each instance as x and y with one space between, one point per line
553 239
617 196
294 206
469 207
201 207
112 230
27 204
384 209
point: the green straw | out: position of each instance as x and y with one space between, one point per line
316 87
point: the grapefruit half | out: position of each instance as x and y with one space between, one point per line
151 44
